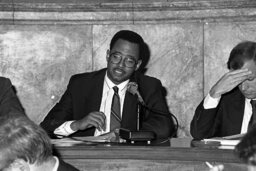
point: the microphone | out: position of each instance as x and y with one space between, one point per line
142 135
138 135
133 89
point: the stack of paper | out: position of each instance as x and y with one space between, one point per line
223 141
228 142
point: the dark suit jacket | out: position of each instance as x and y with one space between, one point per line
84 93
224 120
66 167
9 102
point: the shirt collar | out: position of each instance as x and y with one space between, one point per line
56 166
122 86
249 99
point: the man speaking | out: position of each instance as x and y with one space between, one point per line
98 102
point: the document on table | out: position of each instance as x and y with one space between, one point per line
232 140
70 141
223 141
78 140
93 139
234 137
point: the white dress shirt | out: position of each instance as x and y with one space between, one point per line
210 103
105 107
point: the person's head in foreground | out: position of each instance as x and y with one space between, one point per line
246 149
24 146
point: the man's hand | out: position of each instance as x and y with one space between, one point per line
96 119
229 81
113 136
217 168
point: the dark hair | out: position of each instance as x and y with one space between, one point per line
241 53
128 36
20 138
247 146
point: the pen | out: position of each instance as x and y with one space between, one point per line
209 164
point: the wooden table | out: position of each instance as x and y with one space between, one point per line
176 154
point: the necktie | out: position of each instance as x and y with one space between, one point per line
115 118
253 117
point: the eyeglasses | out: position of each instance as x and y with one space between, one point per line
129 62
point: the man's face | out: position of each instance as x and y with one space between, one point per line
248 87
128 53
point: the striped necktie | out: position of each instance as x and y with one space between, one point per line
253 117
115 118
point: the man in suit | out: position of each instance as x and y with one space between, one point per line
24 146
9 101
227 109
85 108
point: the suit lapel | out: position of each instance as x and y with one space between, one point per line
95 94
240 103
129 116
237 111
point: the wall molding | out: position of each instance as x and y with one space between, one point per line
125 12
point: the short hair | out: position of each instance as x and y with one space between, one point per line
246 148
20 138
241 53
129 36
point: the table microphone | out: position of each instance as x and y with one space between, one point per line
139 135
133 89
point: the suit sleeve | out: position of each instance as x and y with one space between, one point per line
158 119
60 113
205 122
9 102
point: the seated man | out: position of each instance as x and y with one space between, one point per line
25 146
86 108
9 102
227 109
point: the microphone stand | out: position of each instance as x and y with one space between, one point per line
141 135
138 116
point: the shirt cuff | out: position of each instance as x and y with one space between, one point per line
64 129
210 102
